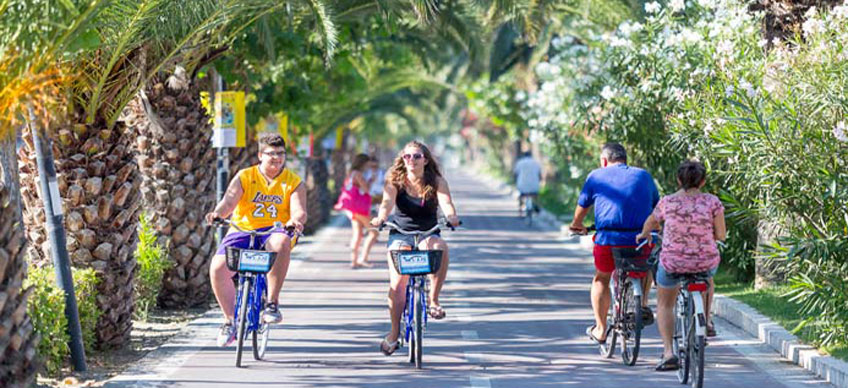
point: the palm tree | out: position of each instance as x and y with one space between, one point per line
176 163
96 142
34 41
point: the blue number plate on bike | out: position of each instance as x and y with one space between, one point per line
255 261
411 263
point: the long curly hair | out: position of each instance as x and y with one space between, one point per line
432 172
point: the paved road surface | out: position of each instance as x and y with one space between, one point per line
517 307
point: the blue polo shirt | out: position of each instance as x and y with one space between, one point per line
623 197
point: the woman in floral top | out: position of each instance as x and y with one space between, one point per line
693 222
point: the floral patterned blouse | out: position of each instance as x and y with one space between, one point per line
688 242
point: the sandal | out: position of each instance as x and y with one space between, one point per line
592 337
668 364
388 348
711 331
436 312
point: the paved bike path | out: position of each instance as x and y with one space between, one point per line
517 302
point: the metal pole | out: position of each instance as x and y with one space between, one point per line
223 164
56 235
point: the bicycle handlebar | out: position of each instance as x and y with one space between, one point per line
278 227
438 225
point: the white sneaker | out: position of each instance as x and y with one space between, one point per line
272 314
227 334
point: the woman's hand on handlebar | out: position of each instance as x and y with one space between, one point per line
452 220
377 222
649 237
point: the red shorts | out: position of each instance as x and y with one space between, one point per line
604 261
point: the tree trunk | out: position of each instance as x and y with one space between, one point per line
318 199
177 165
783 18
767 272
17 339
99 184
9 175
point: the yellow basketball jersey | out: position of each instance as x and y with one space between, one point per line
264 202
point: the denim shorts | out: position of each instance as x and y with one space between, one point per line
671 280
400 240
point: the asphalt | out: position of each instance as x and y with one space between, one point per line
517 302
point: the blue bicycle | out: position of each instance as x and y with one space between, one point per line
251 266
417 264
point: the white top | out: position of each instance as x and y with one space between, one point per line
528 175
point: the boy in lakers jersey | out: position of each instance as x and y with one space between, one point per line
256 198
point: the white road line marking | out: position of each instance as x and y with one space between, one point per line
474 358
470 335
480 382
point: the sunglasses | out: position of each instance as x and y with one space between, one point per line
415 156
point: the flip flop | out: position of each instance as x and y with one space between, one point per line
668 364
436 312
388 348
592 336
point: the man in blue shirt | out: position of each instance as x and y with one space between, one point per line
623 197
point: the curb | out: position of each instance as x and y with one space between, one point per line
776 337
747 318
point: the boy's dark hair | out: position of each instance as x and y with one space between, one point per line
271 139
691 173
614 152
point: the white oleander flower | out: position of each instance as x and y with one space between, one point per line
677 5
728 91
813 26
607 93
652 7
839 132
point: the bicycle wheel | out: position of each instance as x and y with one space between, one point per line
244 290
697 359
419 331
261 335
408 318
633 327
681 342
607 348
260 341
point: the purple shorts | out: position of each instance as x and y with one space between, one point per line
242 240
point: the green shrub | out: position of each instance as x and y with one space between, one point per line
46 308
85 288
153 261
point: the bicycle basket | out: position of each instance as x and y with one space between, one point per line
409 262
248 260
631 260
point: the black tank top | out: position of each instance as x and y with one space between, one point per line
413 213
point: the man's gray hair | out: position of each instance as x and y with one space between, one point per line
614 152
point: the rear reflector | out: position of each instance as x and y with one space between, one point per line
697 287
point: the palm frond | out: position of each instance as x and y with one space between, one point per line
329 35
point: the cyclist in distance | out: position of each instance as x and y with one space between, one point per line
623 197
694 221
528 177
416 190
257 197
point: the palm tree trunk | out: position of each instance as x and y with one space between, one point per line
177 165
318 199
17 339
99 184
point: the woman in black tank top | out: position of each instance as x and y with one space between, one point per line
416 190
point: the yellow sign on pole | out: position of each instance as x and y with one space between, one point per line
229 130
